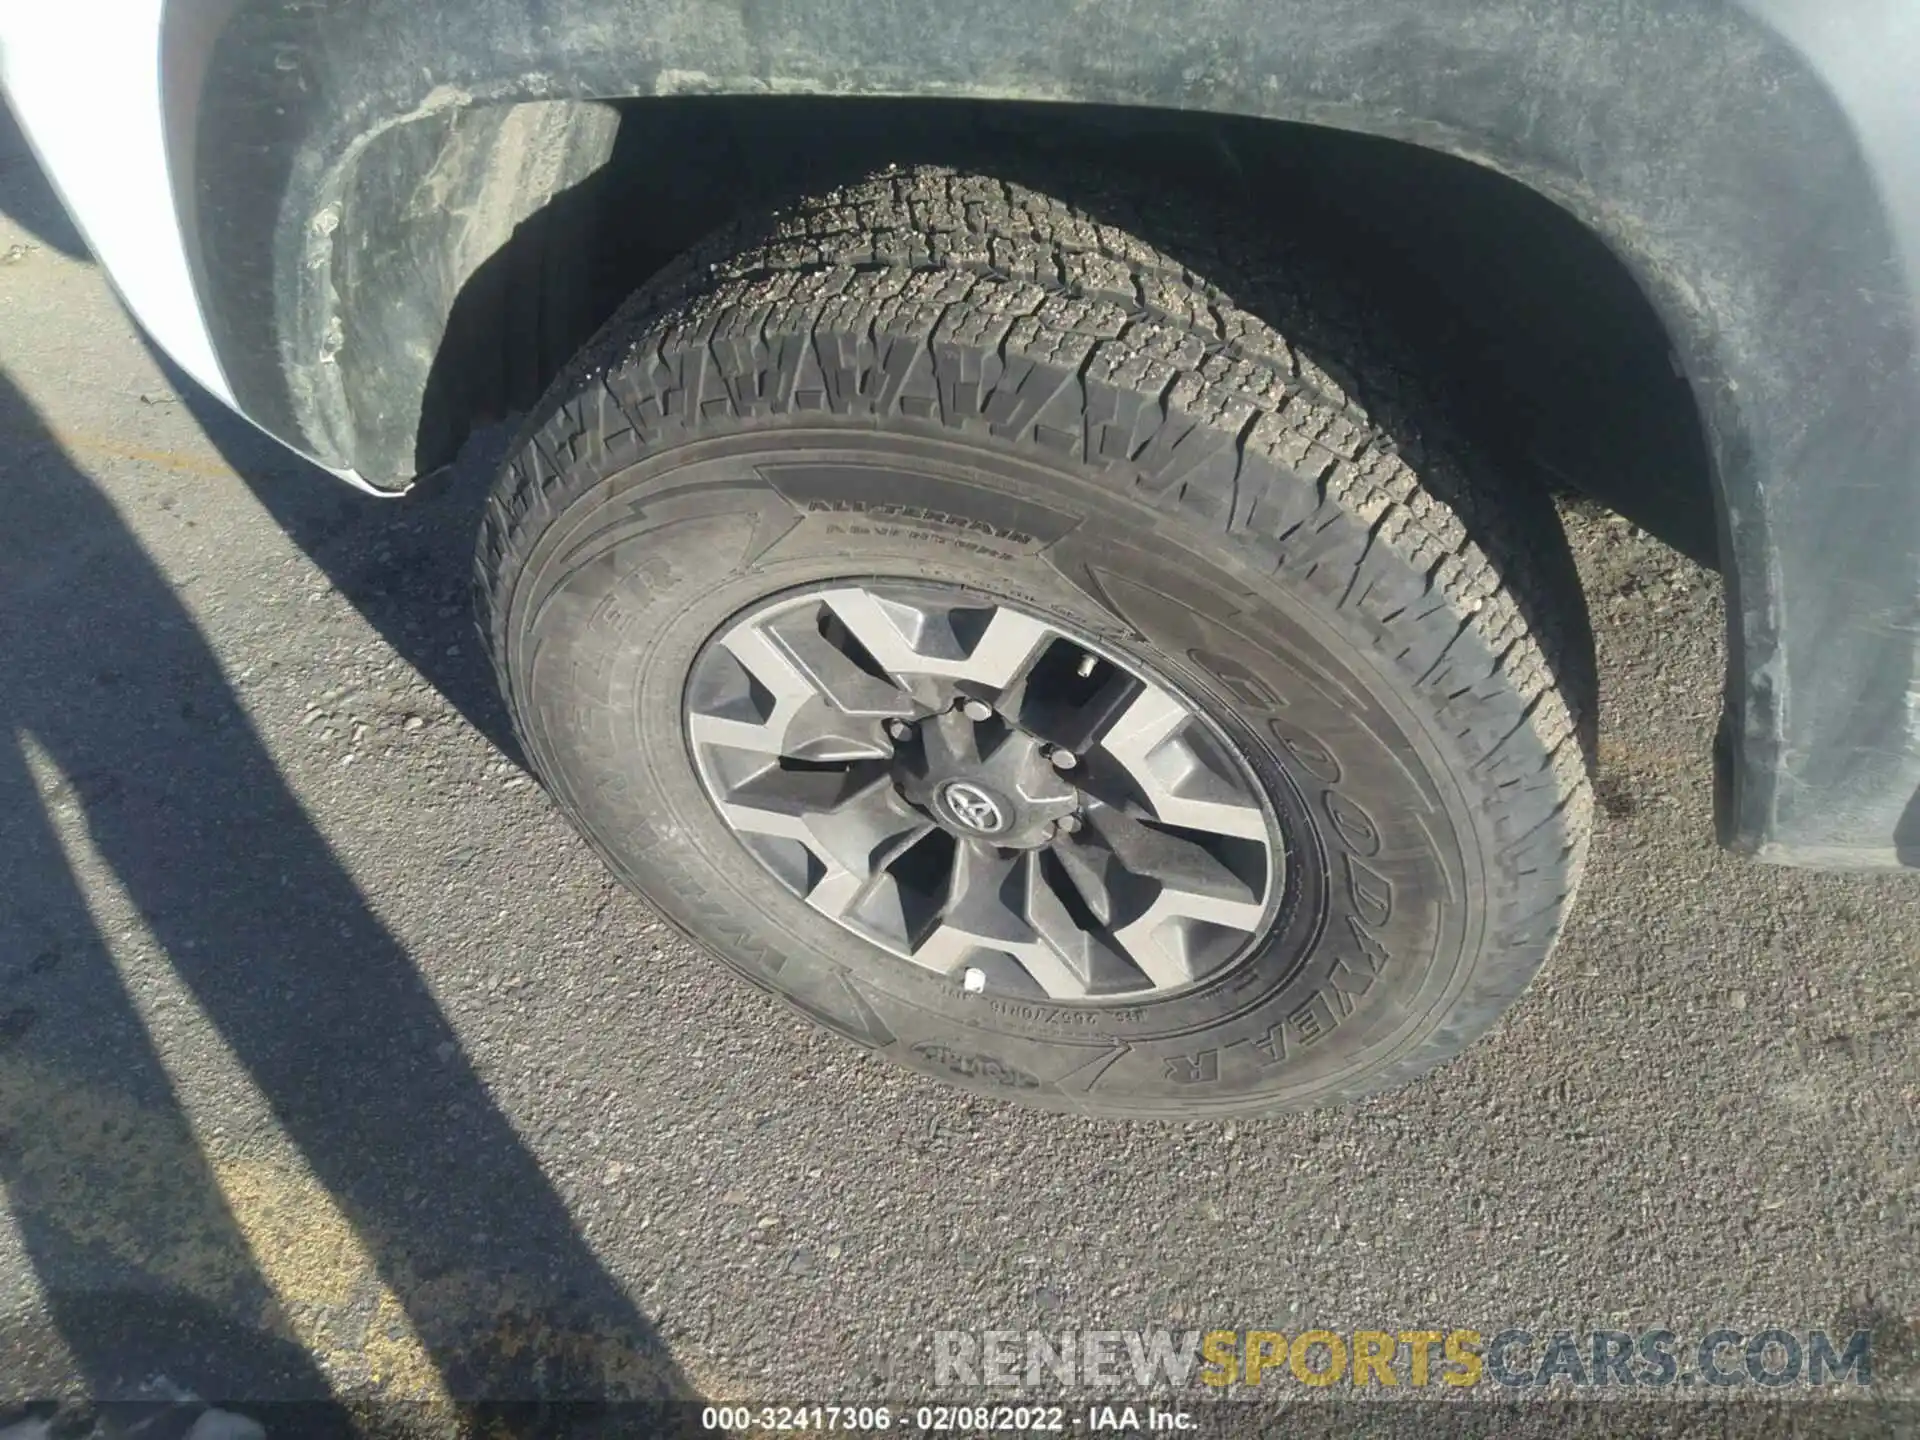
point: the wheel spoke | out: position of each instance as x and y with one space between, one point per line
850 821
890 906
1003 649
1096 965
761 700
987 924
1174 938
1170 858
1180 771
1096 873
950 951
985 647
1165 895
835 674
746 694
1069 696
869 832
1055 974
831 734
987 894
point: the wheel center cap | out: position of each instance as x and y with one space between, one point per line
983 781
974 807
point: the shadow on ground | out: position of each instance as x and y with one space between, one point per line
421 1246
165 1262
29 200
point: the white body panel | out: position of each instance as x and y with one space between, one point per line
83 77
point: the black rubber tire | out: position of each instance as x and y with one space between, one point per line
941 374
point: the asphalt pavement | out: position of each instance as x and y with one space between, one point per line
331 1060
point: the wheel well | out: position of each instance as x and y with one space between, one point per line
1538 336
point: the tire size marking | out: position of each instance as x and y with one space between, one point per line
1049 1015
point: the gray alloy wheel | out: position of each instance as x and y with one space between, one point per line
1083 672
983 794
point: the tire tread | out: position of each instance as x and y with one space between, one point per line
1262 403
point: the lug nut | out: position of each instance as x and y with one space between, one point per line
977 710
1068 824
1063 759
899 729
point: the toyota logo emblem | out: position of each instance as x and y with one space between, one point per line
974 808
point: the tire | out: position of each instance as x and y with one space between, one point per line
938 377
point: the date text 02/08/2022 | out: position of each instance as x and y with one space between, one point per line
946 1419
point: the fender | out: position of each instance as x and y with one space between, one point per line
1755 166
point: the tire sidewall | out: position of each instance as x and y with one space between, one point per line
1379 925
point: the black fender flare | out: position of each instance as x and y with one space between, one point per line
1727 167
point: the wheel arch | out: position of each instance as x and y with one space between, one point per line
1758 233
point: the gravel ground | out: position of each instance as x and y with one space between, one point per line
331 1060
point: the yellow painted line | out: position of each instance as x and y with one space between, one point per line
317 1266
133 1181
256 1237
81 446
